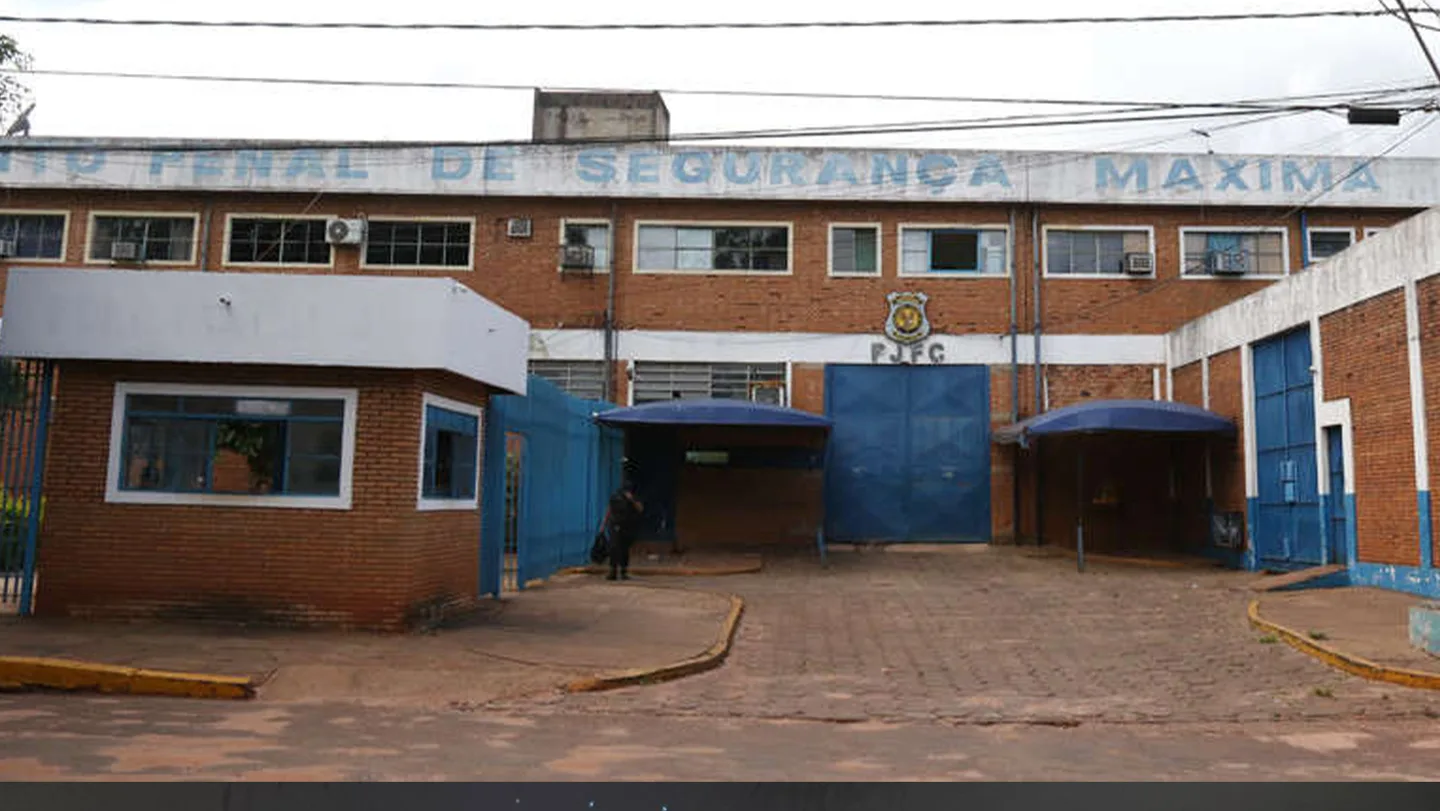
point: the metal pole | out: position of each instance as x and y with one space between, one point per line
37 493
610 307
1080 507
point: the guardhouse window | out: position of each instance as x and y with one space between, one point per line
232 445
451 455
146 239
925 251
33 236
277 241
731 249
400 243
1092 252
855 250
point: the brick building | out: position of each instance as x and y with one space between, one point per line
916 298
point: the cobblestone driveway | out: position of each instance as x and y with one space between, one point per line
988 635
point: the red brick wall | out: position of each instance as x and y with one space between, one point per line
1189 383
1428 298
381 564
807 387
1365 360
1227 398
522 275
737 507
1069 385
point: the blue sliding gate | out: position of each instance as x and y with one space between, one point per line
549 469
1287 529
25 392
909 456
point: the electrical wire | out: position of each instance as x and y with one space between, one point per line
701 26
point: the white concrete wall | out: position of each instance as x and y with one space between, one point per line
295 320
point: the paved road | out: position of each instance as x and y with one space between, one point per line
67 737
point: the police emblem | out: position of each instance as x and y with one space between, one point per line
907 323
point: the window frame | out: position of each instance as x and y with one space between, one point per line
1283 231
1326 229
195 237
115 494
1045 252
41 212
599 368
232 216
636 368
425 503
789 227
850 274
954 274
365 264
567 221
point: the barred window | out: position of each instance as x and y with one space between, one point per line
1241 253
398 243
277 241
855 250
727 381
1081 252
154 239
714 248
578 378
33 236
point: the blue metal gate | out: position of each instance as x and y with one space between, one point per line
558 485
1338 520
25 390
1287 514
909 453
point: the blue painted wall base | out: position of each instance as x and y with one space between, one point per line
1425 628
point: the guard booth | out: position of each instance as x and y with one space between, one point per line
725 474
1122 476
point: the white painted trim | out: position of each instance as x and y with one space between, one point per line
1336 413
1205 382
951 226
1325 229
806 347
789 247
364 248
1283 231
424 504
1247 407
1155 381
1045 230
610 242
195 237
232 216
115 495
629 382
1419 428
785 396
41 212
830 251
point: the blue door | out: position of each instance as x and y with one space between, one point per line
909 453
1287 528
1337 524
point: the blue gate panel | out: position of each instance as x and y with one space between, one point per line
1289 521
909 453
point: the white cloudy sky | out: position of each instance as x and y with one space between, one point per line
1211 61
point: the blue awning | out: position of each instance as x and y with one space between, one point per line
1110 416
713 412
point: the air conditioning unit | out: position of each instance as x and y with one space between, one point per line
768 395
345 232
7 248
1225 263
1140 264
125 251
577 257
518 228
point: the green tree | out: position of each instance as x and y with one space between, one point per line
14 94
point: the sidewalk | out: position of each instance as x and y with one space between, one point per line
1361 625
540 640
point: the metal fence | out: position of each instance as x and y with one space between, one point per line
549 468
25 393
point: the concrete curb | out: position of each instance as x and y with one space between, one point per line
712 658
675 571
1148 563
22 673
1354 665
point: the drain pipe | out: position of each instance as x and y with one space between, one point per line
1039 374
205 237
1304 240
1014 381
610 307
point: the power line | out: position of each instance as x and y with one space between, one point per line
437 85
700 26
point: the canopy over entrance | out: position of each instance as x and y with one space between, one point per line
1110 416
737 413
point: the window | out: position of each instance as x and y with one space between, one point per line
1091 252
277 241
1236 253
594 234
1326 242
952 250
34 236
855 250
578 378
726 381
179 444
450 456
398 243
739 248
156 239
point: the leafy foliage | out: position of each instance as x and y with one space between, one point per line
14 94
